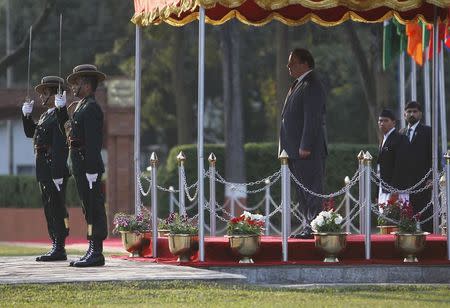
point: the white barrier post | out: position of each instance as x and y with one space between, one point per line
212 194
181 178
347 203
154 164
368 205
267 206
285 203
171 199
361 198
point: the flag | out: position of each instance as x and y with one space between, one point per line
415 49
441 36
447 36
394 41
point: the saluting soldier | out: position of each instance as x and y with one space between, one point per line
51 151
85 135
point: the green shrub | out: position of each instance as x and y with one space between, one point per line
261 161
22 191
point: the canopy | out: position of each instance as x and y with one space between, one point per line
290 12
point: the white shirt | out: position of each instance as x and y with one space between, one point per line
387 135
50 110
413 129
303 76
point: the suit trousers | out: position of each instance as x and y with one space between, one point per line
54 208
309 172
419 202
93 203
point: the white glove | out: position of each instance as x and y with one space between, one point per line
91 178
57 183
27 108
60 100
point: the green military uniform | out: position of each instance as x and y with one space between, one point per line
51 151
85 136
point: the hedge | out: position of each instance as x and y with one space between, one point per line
261 161
23 192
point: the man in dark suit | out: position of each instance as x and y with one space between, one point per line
419 159
85 134
51 165
303 133
391 157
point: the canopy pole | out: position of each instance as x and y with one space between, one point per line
435 124
426 82
200 115
137 119
413 81
401 68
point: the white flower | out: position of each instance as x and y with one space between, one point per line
338 220
258 217
247 215
326 215
314 225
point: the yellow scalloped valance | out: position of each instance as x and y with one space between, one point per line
290 12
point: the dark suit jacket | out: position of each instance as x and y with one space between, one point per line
86 126
419 153
47 134
391 158
303 119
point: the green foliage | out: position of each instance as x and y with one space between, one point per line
140 223
180 224
23 192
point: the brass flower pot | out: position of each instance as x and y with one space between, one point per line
331 243
245 246
183 246
135 243
387 229
163 232
410 244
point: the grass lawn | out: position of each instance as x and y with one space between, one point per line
15 250
187 294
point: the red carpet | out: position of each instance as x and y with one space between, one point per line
218 253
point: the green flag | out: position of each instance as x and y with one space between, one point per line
394 41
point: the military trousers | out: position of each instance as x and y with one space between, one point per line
93 202
55 210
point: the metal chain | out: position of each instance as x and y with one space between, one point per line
186 187
141 189
343 190
220 179
377 180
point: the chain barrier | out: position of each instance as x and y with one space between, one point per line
141 189
187 188
234 186
379 182
343 190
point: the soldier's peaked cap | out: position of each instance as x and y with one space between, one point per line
50 82
85 70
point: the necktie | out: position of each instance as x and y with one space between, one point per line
409 133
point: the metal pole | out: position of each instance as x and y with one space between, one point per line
447 195
402 85
137 119
154 164
171 199
442 107
285 203
347 203
9 70
200 115
413 81
267 206
367 163
435 124
426 81
212 194
361 197
181 180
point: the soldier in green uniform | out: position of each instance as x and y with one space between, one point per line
51 152
85 135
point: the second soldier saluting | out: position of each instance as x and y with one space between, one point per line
51 165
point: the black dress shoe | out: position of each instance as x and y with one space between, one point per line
94 257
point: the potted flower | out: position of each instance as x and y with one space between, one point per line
134 230
244 235
409 239
163 226
387 222
328 235
183 236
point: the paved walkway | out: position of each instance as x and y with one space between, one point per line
15 270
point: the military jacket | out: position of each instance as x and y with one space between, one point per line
50 146
85 135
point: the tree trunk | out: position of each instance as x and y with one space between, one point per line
282 81
233 107
184 110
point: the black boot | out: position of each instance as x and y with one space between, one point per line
95 258
88 252
57 253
